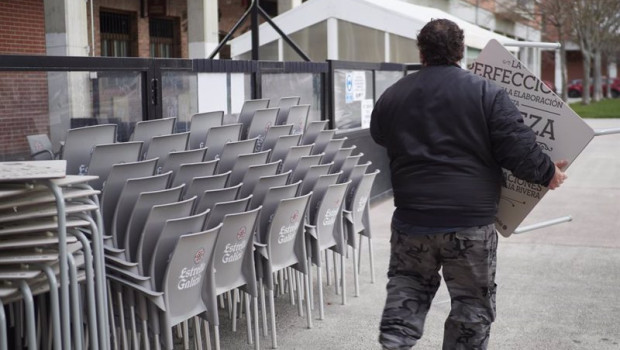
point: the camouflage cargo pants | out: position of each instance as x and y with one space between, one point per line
468 260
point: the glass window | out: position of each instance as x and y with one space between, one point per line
353 98
118 34
179 97
385 79
311 40
403 50
305 85
360 43
164 36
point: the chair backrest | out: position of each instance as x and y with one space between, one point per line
312 131
106 155
340 156
172 231
253 174
175 159
189 171
318 190
357 199
184 275
285 235
322 140
145 130
128 198
312 175
284 143
40 147
332 148
231 151
273 134
298 117
140 212
305 162
326 216
153 227
243 163
220 209
261 122
198 185
263 185
355 174
200 123
247 112
218 136
270 202
80 143
112 188
348 164
285 104
161 146
209 198
232 263
293 156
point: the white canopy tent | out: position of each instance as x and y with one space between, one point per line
390 18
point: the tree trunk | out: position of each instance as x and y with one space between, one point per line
598 88
587 65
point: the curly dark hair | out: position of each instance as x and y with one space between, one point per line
441 42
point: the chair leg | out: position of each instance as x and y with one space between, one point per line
272 311
3 334
327 272
78 337
216 334
185 329
121 318
29 304
291 280
197 334
319 273
344 284
205 326
248 317
256 330
234 295
299 305
310 278
263 306
355 273
308 299
112 323
372 261
336 280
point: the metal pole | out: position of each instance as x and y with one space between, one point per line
254 28
543 224
606 131
539 45
230 34
284 36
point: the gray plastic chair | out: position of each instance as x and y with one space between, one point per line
175 159
200 123
113 187
282 146
347 166
247 113
273 134
106 155
305 162
332 148
198 185
189 171
283 246
324 231
218 136
232 266
221 209
312 131
285 104
355 174
40 147
145 130
312 175
298 117
141 210
340 157
261 122
253 174
80 142
244 162
209 198
322 140
356 207
294 155
161 146
231 151
263 185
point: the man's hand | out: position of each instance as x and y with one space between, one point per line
559 176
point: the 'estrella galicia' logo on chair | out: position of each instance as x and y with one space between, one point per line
199 255
287 233
241 234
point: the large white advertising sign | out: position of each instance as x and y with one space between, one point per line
560 131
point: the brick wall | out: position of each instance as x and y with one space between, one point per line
23 95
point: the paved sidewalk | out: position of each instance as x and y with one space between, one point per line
558 287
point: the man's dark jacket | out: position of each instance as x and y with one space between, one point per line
448 133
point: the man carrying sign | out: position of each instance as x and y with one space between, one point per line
448 134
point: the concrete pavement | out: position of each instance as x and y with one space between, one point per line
558 287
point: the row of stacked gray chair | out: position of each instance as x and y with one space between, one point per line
180 209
